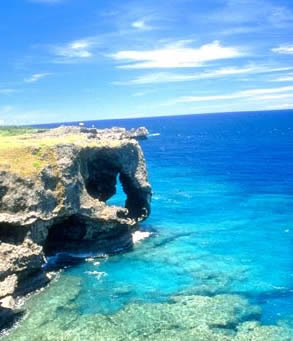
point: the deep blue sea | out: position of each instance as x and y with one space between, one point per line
222 226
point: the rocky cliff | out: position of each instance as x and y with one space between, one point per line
54 187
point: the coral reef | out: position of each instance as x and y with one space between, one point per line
194 318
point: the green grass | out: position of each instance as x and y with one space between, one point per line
22 152
16 131
25 152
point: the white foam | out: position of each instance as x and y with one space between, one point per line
89 259
97 274
138 236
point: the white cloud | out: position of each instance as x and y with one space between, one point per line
141 25
287 78
252 93
35 77
286 49
273 97
238 30
168 77
176 55
77 49
281 106
266 91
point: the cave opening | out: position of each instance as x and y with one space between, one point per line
71 240
100 179
104 180
66 233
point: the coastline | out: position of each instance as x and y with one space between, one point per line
57 202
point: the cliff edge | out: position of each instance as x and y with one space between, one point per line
54 187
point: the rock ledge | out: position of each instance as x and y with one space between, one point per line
54 187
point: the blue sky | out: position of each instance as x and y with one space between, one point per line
74 60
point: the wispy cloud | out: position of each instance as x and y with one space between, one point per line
251 93
142 25
7 91
280 106
285 49
176 55
287 78
35 77
274 97
238 30
75 50
168 77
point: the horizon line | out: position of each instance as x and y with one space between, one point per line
143 117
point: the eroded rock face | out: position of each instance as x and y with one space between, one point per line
64 205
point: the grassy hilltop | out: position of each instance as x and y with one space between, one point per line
20 151
26 151
15 131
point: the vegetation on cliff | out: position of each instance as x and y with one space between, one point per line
54 187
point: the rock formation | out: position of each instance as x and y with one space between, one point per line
182 318
53 190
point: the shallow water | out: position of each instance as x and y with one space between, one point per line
221 223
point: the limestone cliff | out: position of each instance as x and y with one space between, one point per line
54 187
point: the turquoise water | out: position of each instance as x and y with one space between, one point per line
222 236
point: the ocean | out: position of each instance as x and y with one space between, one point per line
218 264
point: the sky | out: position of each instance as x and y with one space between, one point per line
77 60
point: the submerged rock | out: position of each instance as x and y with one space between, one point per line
188 318
53 191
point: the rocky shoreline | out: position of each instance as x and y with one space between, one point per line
54 187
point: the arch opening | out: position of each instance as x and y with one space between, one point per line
120 197
101 180
105 181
